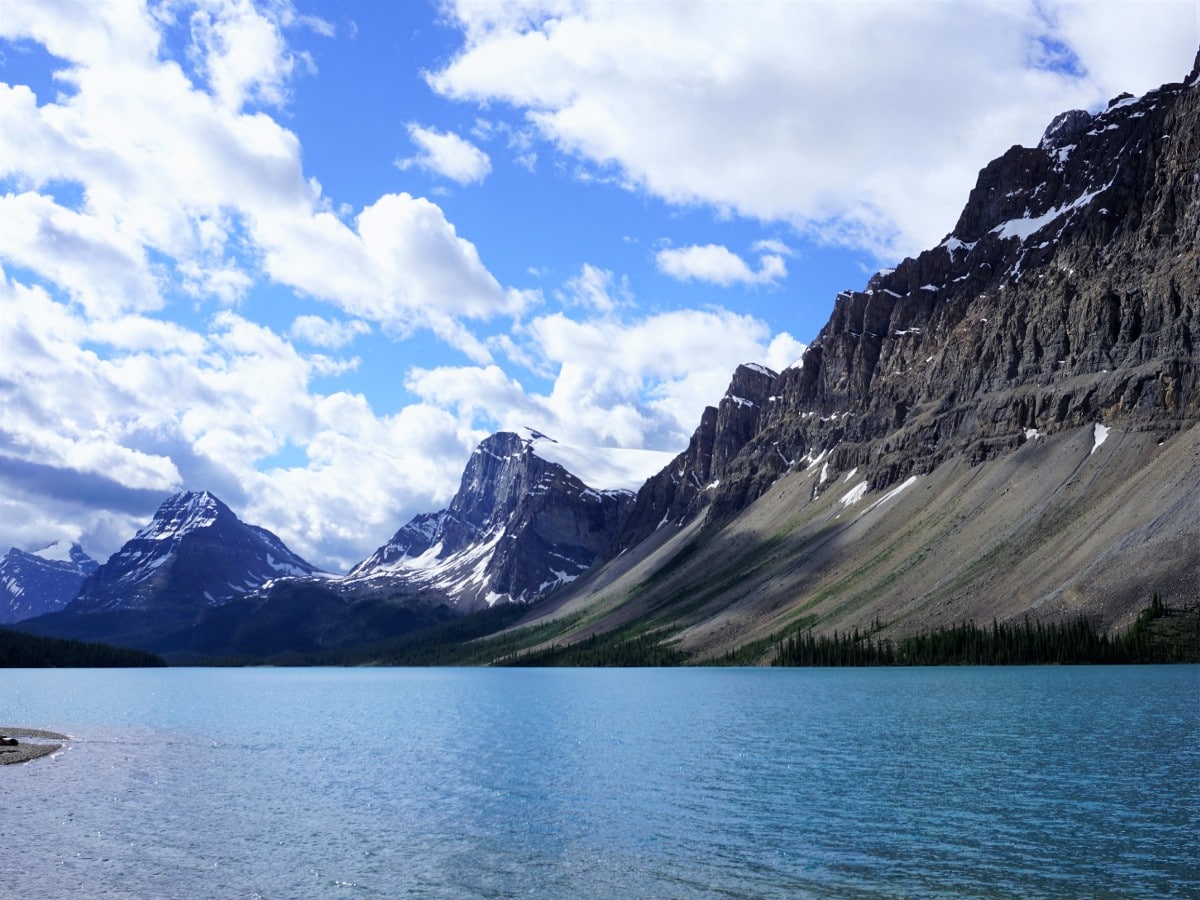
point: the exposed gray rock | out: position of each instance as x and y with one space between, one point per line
518 527
1066 294
42 581
194 554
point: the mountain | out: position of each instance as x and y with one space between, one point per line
43 581
194 555
520 526
1004 425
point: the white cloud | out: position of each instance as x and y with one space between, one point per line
593 288
329 333
635 383
717 264
172 172
168 188
170 408
243 52
102 269
858 123
783 352
447 154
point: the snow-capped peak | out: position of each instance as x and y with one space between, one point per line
602 468
181 514
59 551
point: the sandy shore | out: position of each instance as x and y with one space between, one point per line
33 743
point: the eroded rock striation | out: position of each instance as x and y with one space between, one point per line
1066 294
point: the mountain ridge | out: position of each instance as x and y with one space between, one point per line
33 583
1004 425
1060 310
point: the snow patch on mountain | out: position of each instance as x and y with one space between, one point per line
42 581
58 551
1027 226
603 468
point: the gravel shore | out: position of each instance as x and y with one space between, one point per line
33 743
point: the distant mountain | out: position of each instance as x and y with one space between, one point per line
43 581
194 555
520 526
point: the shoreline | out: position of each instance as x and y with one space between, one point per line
24 752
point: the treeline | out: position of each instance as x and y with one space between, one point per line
27 651
1030 643
461 641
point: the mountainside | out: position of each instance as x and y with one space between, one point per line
43 581
195 553
1004 425
519 527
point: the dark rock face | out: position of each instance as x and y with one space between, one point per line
683 488
1068 293
194 554
45 581
518 527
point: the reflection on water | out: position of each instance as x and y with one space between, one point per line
495 783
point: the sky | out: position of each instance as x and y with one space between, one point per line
307 254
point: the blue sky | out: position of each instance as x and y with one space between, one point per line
307 254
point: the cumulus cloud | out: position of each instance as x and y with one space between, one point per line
215 191
638 382
243 53
804 112
594 289
90 444
717 264
447 154
329 333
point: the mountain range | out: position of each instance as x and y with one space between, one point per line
42 581
1003 426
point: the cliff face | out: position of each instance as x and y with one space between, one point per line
1004 425
1066 294
518 527
682 489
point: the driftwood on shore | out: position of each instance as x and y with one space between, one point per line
17 748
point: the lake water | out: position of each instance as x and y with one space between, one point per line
284 783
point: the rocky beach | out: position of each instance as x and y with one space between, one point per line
31 743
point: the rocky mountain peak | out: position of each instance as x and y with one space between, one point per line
1064 295
185 512
70 553
518 526
684 487
194 553
42 581
1063 128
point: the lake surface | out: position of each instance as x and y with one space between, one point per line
605 783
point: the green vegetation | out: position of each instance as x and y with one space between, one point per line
26 651
456 642
625 647
1160 634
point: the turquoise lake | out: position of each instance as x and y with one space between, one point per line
375 782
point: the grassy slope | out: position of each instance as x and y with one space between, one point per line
1052 530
